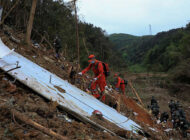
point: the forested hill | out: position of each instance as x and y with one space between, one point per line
57 18
128 47
161 52
122 40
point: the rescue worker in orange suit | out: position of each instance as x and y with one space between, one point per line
99 79
120 83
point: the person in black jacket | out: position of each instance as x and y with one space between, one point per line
57 45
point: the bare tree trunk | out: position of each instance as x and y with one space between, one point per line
77 34
2 21
30 22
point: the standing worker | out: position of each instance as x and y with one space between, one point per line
57 45
120 83
100 77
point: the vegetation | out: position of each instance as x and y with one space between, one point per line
164 52
161 52
167 52
56 18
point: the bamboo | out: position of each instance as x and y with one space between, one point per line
135 92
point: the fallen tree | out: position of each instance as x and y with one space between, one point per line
30 122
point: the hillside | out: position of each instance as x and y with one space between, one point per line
161 52
167 52
127 46
27 113
18 97
56 18
123 40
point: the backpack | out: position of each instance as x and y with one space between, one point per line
125 82
105 67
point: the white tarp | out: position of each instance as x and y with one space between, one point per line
38 79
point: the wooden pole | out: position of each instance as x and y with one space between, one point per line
134 91
30 122
30 22
118 103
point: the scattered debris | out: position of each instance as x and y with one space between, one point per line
40 110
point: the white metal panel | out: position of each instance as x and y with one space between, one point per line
4 50
38 79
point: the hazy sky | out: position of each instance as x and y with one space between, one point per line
134 16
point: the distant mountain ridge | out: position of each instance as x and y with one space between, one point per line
121 40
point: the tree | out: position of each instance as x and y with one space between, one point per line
77 34
30 22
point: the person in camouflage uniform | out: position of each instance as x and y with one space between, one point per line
172 106
154 107
164 117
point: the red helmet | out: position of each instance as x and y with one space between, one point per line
91 56
115 75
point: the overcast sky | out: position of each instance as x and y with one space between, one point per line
134 16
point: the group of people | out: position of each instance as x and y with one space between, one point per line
177 113
178 117
99 79
100 73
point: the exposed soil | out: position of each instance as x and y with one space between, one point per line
46 113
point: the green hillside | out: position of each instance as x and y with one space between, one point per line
129 47
167 52
123 40
161 52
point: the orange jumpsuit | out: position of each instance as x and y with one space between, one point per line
98 70
120 84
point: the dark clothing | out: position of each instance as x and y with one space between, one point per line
57 45
182 113
155 109
164 117
184 126
153 101
176 119
172 107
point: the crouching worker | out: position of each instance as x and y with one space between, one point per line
120 83
99 77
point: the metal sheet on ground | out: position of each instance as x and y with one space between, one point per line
38 79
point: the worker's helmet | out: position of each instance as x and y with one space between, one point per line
91 56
